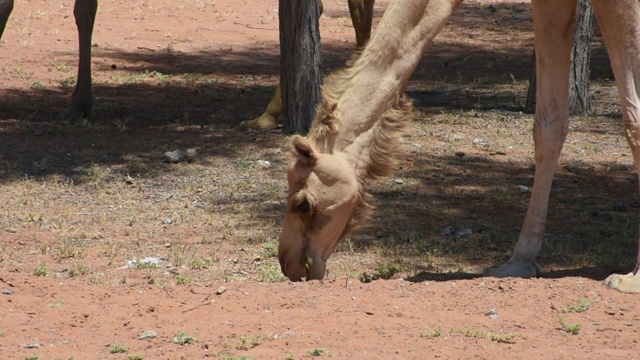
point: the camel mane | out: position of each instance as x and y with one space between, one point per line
383 136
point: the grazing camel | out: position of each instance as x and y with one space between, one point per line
363 111
362 17
84 12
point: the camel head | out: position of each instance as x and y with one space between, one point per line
322 198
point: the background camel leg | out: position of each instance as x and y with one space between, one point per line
269 119
362 16
620 26
81 101
553 25
5 10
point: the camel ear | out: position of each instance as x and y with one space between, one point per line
303 149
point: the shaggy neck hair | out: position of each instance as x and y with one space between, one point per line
381 138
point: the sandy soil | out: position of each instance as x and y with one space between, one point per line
84 199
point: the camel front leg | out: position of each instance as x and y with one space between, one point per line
362 17
553 25
6 6
84 12
620 25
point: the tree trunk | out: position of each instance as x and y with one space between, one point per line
300 74
579 99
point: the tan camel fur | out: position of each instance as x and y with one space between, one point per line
361 16
363 111
84 12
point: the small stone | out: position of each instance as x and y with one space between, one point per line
7 292
447 231
264 164
460 154
465 232
11 230
480 142
523 189
149 334
167 221
167 245
149 261
398 181
174 156
190 155
492 314
32 346
221 290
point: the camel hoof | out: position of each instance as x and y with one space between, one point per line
264 122
625 283
516 268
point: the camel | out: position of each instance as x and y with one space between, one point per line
84 12
363 111
361 12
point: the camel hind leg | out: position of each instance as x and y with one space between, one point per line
6 6
620 25
362 18
84 12
553 24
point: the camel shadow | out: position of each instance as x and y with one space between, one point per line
593 273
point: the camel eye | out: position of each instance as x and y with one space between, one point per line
304 206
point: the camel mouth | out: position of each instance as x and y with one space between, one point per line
291 268
303 268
